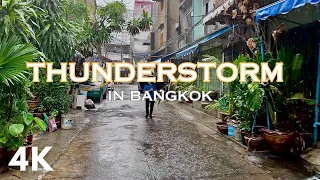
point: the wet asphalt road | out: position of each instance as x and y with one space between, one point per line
120 143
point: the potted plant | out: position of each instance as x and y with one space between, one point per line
222 105
54 98
16 131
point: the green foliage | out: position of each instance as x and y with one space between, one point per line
17 18
16 129
75 10
13 57
222 104
53 96
133 27
145 21
53 8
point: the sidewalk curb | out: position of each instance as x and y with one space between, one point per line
215 130
312 168
40 177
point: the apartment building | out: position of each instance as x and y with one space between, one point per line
164 37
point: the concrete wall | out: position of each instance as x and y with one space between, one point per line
159 17
172 20
198 12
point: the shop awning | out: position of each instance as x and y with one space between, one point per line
281 7
218 7
187 51
217 33
157 61
167 57
195 47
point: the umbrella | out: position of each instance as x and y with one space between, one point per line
159 85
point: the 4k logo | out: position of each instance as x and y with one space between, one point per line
36 158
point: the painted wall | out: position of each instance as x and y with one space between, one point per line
198 12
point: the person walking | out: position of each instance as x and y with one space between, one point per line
150 88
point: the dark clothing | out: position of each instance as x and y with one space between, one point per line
148 87
151 105
150 102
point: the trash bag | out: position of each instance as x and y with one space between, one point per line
89 104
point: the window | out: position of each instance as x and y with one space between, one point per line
207 8
162 4
142 6
161 37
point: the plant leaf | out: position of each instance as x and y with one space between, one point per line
16 129
28 118
40 123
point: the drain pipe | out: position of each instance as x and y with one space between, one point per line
316 112
262 57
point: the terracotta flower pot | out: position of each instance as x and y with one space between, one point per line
254 142
222 127
279 141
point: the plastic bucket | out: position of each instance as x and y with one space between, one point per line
230 130
83 92
66 124
237 133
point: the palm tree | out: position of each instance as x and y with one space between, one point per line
145 21
133 27
13 58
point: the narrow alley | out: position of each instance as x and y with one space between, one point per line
120 143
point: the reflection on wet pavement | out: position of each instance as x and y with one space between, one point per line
119 143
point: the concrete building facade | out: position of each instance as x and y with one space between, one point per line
140 43
164 37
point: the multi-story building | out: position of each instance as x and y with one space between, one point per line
140 43
164 37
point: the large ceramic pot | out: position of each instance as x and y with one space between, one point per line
222 127
279 141
254 142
